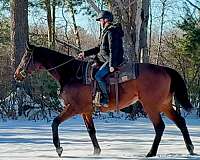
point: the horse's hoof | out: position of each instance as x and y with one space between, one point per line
151 154
97 151
193 154
59 151
190 149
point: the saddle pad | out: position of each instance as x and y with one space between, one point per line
125 72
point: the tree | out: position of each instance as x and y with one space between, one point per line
184 51
19 37
163 2
49 21
133 15
193 5
19 29
71 5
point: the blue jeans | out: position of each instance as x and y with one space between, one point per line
99 76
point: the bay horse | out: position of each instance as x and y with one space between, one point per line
154 88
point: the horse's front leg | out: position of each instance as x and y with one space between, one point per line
92 132
65 114
56 140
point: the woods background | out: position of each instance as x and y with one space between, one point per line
164 32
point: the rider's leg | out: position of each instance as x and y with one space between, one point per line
101 73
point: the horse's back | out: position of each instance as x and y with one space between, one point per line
152 68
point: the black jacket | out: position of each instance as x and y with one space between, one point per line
110 48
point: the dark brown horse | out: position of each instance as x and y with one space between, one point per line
154 88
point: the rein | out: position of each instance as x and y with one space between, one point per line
61 64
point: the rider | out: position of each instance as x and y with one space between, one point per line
109 52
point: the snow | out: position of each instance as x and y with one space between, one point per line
119 139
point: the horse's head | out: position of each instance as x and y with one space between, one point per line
26 65
41 58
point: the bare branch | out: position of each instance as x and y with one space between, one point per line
94 6
130 4
192 4
68 45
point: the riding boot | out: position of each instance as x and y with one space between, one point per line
104 98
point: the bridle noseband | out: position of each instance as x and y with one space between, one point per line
24 67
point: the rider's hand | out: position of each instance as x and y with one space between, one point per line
81 55
112 69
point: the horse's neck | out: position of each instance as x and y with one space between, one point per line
67 69
55 74
60 66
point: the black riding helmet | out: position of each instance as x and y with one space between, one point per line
105 15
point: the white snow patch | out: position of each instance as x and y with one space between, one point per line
119 139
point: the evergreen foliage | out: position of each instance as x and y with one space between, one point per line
185 50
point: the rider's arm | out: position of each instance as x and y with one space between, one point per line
92 51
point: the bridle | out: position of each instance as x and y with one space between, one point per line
24 68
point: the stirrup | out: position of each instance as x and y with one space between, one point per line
104 102
105 105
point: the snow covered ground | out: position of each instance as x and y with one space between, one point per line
119 140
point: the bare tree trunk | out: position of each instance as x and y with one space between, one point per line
94 6
49 21
138 24
161 30
150 29
53 23
19 37
143 31
19 30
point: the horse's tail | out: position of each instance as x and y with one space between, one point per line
179 88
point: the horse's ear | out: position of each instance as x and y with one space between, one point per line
29 46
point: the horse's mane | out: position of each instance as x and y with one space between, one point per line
52 53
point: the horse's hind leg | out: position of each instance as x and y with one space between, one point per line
159 127
92 132
180 122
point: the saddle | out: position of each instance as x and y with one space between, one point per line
125 72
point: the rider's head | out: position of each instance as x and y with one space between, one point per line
105 17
